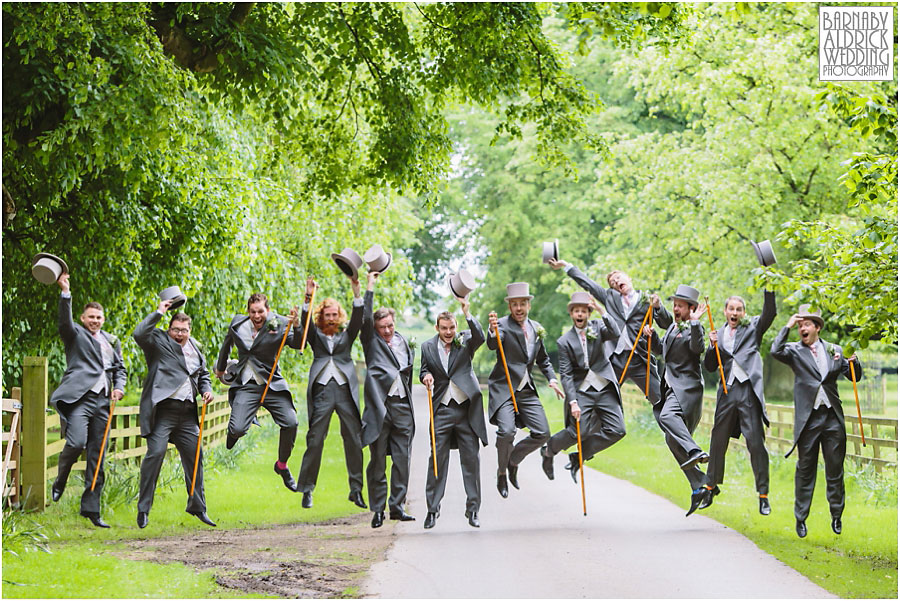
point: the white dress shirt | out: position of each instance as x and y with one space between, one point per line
817 349
399 348
454 392
185 392
737 372
593 379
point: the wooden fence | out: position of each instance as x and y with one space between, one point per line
39 423
12 435
880 432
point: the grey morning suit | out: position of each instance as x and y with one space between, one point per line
818 419
256 355
589 379
743 409
500 408
333 386
628 320
94 368
388 421
169 408
458 413
682 390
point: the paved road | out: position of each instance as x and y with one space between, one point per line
537 543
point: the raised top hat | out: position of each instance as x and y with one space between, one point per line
550 251
349 261
174 294
517 290
377 259
230 373
687 293
805 312
579 298
47 268
764 253
461 283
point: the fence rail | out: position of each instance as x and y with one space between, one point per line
12 436
880 432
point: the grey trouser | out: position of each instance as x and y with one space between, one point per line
279 406
531 412
637 373
678 428
739 406
822 429
602 423
396 436
86 419
452 420
175 422
327 399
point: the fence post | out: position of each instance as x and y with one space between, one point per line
34 432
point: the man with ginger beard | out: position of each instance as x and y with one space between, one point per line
333 387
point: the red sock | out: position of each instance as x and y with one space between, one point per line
281 465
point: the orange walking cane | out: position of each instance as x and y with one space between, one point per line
718 356
512 393
112 407
858 411
306 325
199 442
581 465
431 422
287 328
649 344
634 346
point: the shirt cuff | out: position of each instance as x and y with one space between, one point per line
358 302
553 381
568 268
161 314
305 307
66 294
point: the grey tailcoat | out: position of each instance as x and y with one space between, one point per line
572 370
342 344
746 353
461 372
166 369
517 360
84 361
681 371
808 379
382 370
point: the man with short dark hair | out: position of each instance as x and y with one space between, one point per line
176 374
95 374
458 412
257 335
388 421
818 414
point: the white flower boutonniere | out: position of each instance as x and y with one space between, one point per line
833 349
682 325
457 341
643 298
540 332
412 343
590 334
272 324
744 321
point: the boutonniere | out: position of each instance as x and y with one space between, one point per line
833 349
540 332
272 324
643 298
744 321
590 334
682 325
457 341
412 342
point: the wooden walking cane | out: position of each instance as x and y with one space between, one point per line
712 327
431 422
112 407
512 393
649 344
287 328
858 411
634 346
306 325
581 465
197 454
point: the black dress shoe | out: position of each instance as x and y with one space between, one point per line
473 519
399 514
96 520
307 500
143 519
56 493
836 525
547 462
764 507
357 498
697 497
513 471
801 528
377 519
201 515
708 499
696 457
430 519
501 486
287 478
572 466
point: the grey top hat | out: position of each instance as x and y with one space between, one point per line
579 298
687 293
377 259
349 261
517 290
805 312
47 268
550 251
764 253
174 294
461 283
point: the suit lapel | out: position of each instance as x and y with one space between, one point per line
807 356
515 330
435 349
